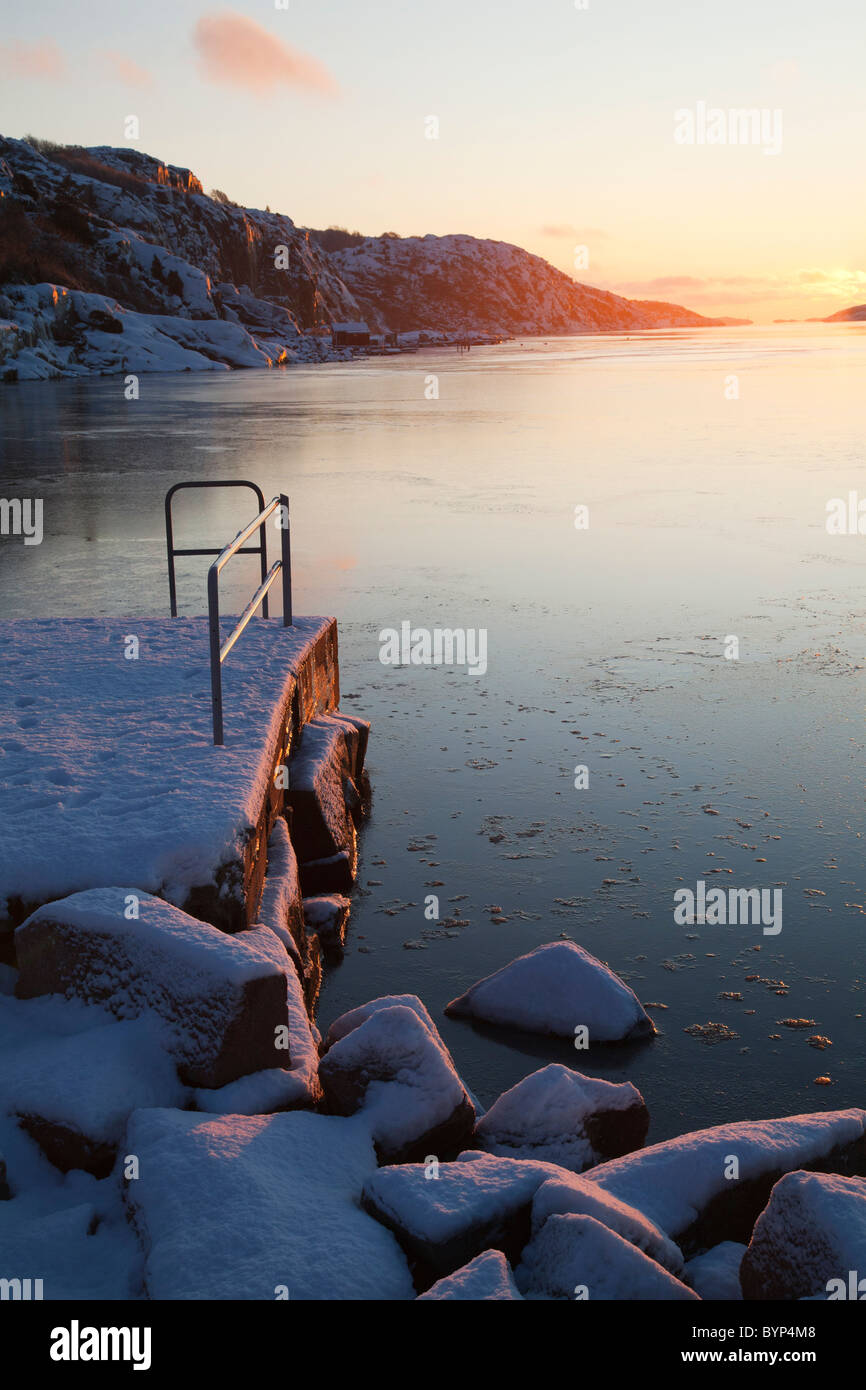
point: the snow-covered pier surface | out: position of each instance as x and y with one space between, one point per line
108 773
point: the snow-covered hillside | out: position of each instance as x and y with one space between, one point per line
453 283
112 261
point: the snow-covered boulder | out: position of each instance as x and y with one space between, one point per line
328 917
281 908
576 1257
570 1194
400 1073
808 1240
355 1017
74 1095
711 1185
444 1214
564 1117
265 1207
223 998
485 1278
558 988
320 780
716 1273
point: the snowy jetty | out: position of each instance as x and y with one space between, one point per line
172 1124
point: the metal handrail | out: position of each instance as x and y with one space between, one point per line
283 566
261 549
219 652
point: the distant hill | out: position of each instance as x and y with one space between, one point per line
847 315
454 284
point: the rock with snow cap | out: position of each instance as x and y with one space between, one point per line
485 1279
223 998
716 1273
808 1240
397 1070
711 1185
578 1257
557 989
564 1117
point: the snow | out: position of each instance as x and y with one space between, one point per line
577 1257
544 1116
812 1231
402 1077
556 989
319 768
486 1277
326 915
716 1273
237 1207
571 1194
674 1181
219 996
109 774
280 908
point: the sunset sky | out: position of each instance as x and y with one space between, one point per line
556 126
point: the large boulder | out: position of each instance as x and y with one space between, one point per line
265 1207
323 795
223 998
809 1240
564 1117
74 1094
711 1185
571 1195
398 1071
484 1279
557 989
577 1257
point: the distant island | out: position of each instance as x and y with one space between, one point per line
112 261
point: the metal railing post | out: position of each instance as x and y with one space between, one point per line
216 670
286 556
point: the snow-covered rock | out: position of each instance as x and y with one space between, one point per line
808 1240
576 1257
355 1017
564 1117
223 998
265 1207
571 1194
328 917
321 790
444 1214
716 1273
74 1094
557 988
397 1070
487 1277
710 1185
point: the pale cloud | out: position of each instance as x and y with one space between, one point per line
118 66
237 52
40 59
